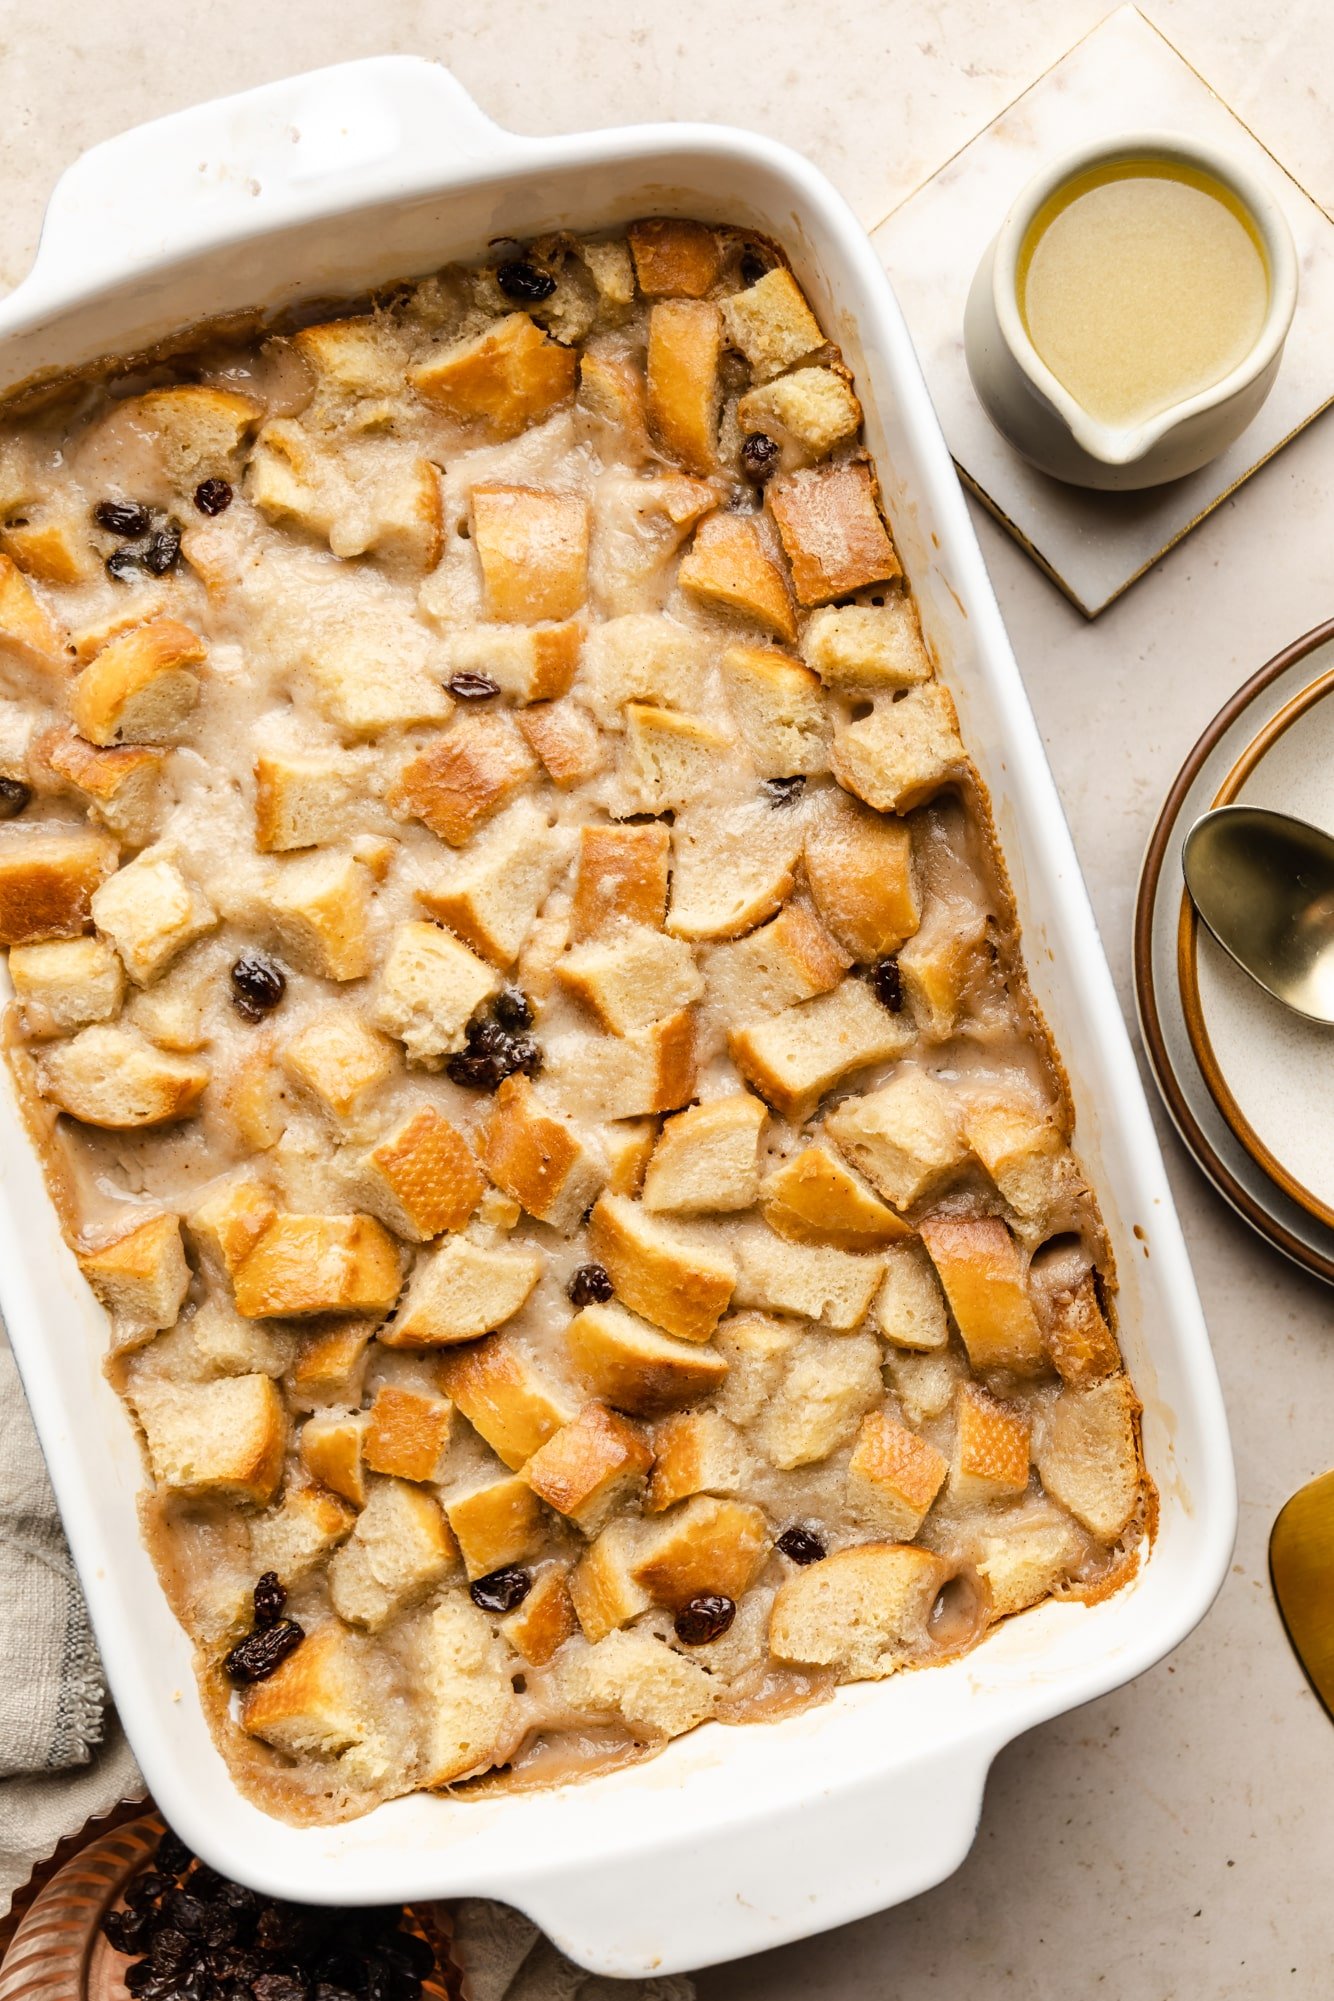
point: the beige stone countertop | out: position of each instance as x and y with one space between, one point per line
1174 1841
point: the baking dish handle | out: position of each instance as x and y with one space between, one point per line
846 1854
285 152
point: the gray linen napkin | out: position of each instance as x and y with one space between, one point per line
63 1755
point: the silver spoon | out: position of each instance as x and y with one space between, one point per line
1264 884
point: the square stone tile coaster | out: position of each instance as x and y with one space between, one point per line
1123 76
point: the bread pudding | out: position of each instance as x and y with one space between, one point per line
521 1009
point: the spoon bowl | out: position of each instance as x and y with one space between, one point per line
1263 884
1301 1569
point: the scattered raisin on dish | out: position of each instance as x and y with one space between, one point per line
704 1617
261 1653
784 791
502 1590
269 1598
213 496
123 517
14 796
257 985
164 548
523 282
887 984
589 1285
493 1054
473 687
512 1008
801 1545
759 457
122 564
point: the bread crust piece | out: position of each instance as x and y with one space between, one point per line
621 878
66 983
674 257
566 740
150 911
332 1452
497 1523
118 786
430 985
1088 1455
227 1439
682 1286
110 1077
141 1277
731 869
633 979
814 1197
465 777
318 1703
200 428
408 1433
462 1291
694 1452
495 888
30 638
47 882
893 1477
859 869
685 338
779 710
833 536
422 1178
532 546
318 1264
991 1448
863 1611
338 1061
591 1467
538 1158
728 568
979 1266
545 1620
530 664
903 753
792 1059
707 1157
790 959
142 687
503 379
320 909
400 1548
910 1308
704 1545
814 407
906 1137
864 649
656 1692
467 1706
515 1408
635 1367
771 323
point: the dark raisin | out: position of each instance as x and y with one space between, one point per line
759 457
473 687
213 496
206 1882
126 1930
170 1950
523 281
256 1657
278 1987
525 1055
122 565
476 1073
186 1912
704 1617
137 1977
887 984
589 1285
123 517
784 791
329 1990
416 1953
146 1889
173 1857
486 1037
257 985
14 796
164 546
269 1599
502 1590
512 1008
801 1545
753 267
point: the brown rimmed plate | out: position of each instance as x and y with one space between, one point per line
1249 1086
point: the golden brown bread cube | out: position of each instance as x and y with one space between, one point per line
30 638
685 338
226 1439
944 964
603 1588
332 1449
635 1367
792 1059
423 1178
464 778
1029 1561
910 1307
199 427
1022 1150
331 1360
565 739
864 1611
779 711
119 787
980 1268
47 882
533 549
368 680
704 1545
430 985
230 1221
50 546
302 801
400 1547
991 1445
591 1467
642 657
732 867
826 1383
707 1157
1088 1455
545 1619
621 878
496 887
505 1398
906 1137
111 1077
319 906
674 257
632 979
141 1277
832 534
814 407
655 1691
354 362
319 1264
866 648
466 1706
301 1534
681 1285
771 323
893 1477
319 1703
859 869
142 687
529 663
151 911
694 1452
813 1281
408 1433
903 752
612 396
338 1061
728 568
1081 1344
538 1158
669 755
497 1523
628 1144
790 959
66 984
502 380
461 1291
814 1197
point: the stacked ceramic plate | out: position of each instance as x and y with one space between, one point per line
1249 1085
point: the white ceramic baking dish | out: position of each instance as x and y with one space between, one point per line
731 1840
